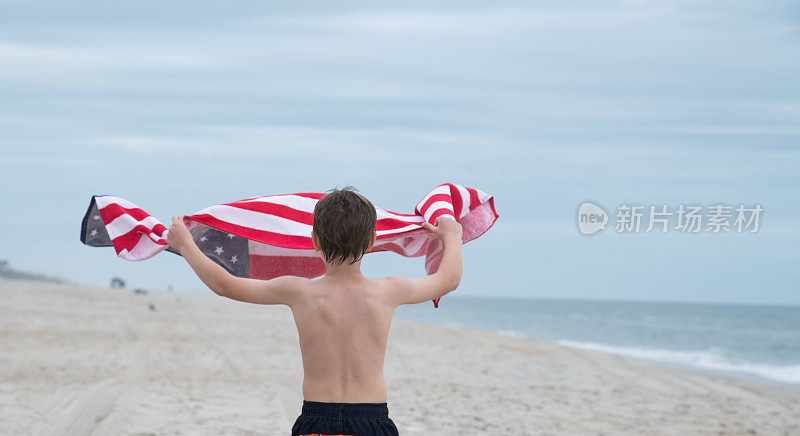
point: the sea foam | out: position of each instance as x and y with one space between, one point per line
707 359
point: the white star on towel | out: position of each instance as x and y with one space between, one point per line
231 235
219 250
96 217
203 239
233 259
93 233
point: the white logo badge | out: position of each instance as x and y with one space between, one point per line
591 218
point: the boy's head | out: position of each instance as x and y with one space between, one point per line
344 225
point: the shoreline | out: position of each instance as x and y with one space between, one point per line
704 347
665 364
694 369
94 360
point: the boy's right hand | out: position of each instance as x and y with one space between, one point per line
178 236
446 228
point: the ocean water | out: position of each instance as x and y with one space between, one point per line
747 341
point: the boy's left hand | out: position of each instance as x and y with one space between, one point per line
178 235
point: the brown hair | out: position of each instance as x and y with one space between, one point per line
343 222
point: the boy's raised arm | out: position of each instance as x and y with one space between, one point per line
403 290
280 290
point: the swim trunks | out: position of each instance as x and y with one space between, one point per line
344 419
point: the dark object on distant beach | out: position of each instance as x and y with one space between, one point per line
117 283
152 307
140 291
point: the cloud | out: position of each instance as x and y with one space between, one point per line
70 57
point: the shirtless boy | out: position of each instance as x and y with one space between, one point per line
342 318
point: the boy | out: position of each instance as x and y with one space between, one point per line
342 318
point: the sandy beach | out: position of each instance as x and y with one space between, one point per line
77 360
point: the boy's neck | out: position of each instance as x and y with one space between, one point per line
344 270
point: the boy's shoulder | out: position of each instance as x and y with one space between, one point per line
394 281
390 288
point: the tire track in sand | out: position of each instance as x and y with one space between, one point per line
92 404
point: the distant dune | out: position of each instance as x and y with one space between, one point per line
8 273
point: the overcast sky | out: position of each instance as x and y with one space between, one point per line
180 105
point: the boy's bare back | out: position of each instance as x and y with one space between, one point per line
343 326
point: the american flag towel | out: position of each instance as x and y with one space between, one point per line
270 236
